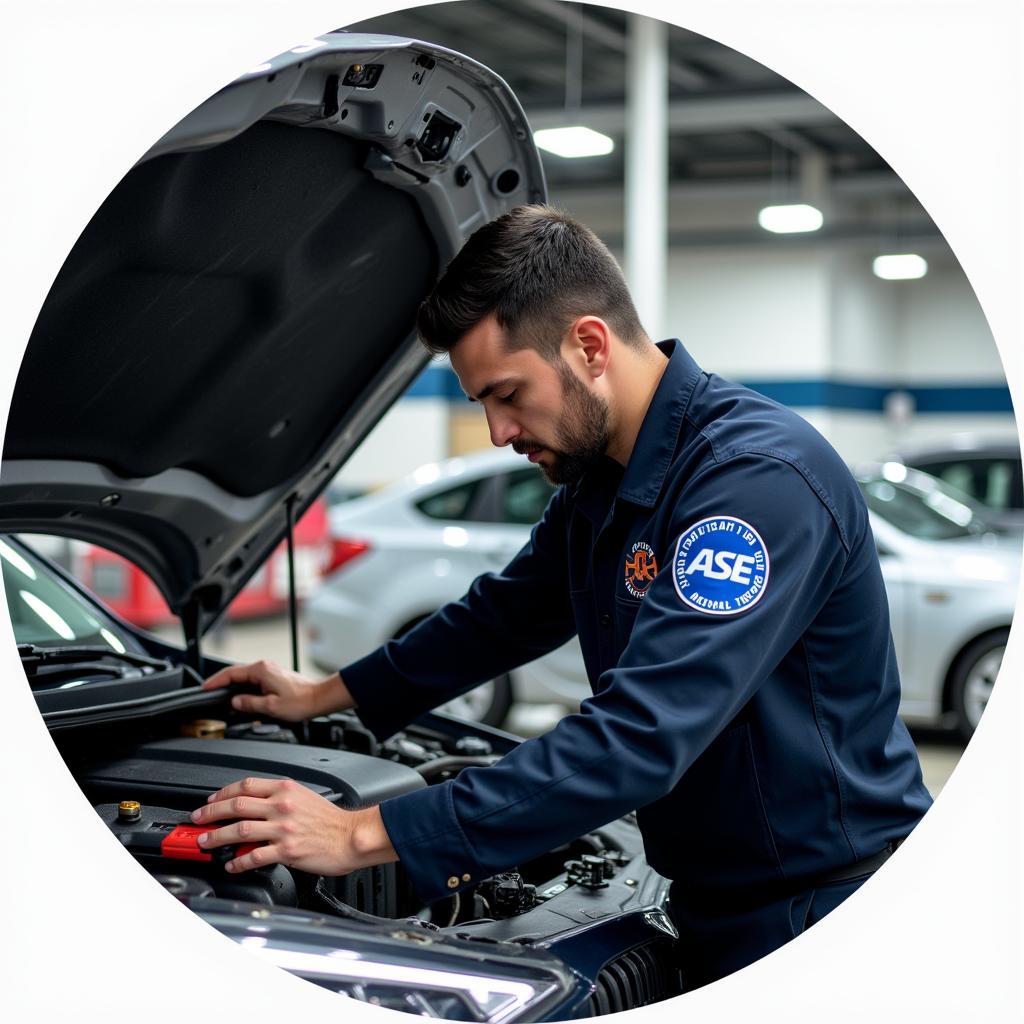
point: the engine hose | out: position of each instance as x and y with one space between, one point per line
456 907
344 910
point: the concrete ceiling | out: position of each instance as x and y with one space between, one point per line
736 127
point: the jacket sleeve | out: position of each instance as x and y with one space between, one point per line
684 674
505 620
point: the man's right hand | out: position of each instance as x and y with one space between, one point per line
285 694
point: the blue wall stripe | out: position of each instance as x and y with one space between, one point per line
436 382
440 382
822 394
938 398
991 398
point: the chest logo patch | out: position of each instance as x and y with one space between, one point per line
641 568
720 566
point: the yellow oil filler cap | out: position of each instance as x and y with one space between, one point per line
129 810
205 728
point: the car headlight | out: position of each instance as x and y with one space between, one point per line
432 989
416 970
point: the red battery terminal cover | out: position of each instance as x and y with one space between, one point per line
182 843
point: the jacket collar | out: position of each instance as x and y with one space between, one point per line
659 433
655 447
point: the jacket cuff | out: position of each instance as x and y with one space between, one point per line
373 682
433 849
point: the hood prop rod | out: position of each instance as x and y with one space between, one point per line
190 627
293 616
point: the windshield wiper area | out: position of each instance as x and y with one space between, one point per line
34 657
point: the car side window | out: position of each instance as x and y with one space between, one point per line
453 503
986 480
911 513
47 612
527 494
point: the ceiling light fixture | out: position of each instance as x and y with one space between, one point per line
906 266
573 142
790 219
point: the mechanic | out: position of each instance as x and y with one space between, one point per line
712 552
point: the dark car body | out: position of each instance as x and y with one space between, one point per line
230 325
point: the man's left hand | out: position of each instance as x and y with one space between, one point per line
298 828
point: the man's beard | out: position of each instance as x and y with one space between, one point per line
581 434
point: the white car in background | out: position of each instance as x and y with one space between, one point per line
410 548
986 468
951 578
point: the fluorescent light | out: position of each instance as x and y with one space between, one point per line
905 266
790 219
573 142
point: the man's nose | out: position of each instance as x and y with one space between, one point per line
503 429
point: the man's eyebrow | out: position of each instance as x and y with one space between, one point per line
494 385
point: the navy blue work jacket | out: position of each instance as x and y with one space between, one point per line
730 607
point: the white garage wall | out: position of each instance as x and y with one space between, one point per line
945 334
782 316
995 426
866 343
927 332
749 314
414 431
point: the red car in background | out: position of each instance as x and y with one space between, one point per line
134 596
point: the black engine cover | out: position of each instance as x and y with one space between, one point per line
182 773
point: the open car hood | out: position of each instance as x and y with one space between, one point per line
239 313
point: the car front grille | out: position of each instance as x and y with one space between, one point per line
643 975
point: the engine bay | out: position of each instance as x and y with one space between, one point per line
590 915
145 792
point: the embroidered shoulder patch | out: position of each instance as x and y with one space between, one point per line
720 566
640 569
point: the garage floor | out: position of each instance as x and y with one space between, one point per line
268 638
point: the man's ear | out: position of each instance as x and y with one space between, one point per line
589 344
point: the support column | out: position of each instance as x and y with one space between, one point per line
646 206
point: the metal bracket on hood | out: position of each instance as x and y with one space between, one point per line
383 166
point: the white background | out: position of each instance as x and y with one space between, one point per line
933 86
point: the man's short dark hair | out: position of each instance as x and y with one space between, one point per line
537 270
